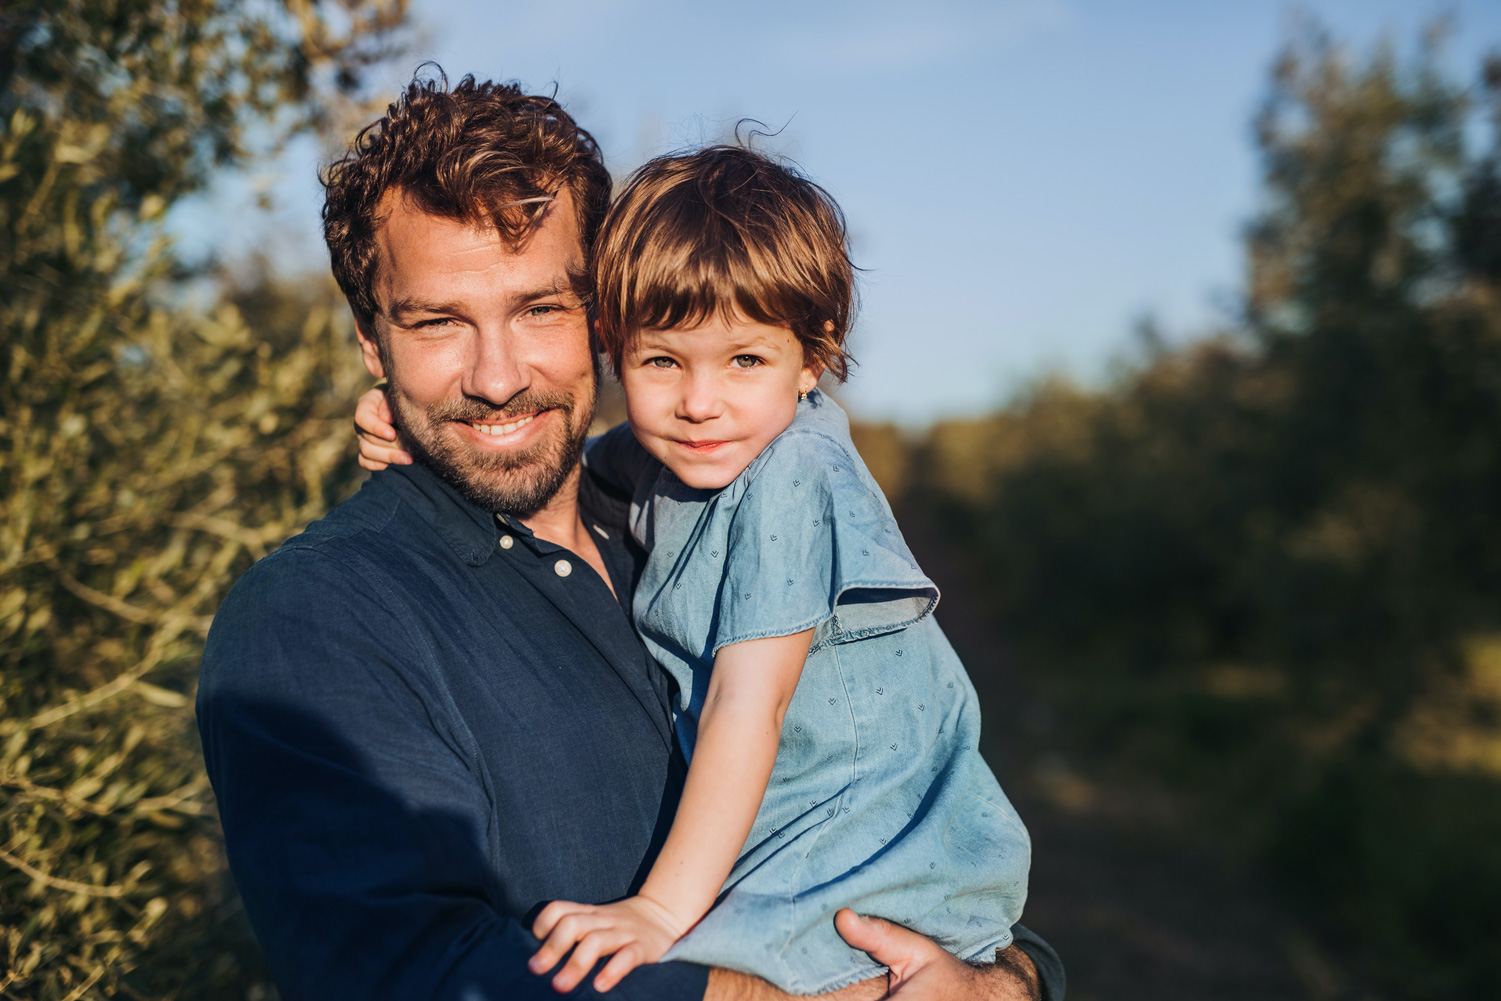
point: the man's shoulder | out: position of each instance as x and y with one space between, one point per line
336 585
372 512
331 560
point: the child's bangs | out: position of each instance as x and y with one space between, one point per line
694 281
724 233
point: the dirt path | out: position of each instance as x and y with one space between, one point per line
1135 906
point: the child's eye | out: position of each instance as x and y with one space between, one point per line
660 361
747 361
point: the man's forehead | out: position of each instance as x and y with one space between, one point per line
404 208
412 242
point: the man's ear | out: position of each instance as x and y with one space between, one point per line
370 349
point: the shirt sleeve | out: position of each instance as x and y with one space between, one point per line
619 461
352 825
812 544
1049 966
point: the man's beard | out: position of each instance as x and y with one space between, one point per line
519 483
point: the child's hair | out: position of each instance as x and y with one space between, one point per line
728 231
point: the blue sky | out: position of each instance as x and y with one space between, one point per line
1023 178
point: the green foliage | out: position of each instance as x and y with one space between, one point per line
1265 566
148 452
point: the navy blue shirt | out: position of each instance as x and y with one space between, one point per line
422 723
419 731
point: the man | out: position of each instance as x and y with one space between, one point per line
428 715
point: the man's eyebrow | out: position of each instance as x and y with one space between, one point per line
558 287
411 304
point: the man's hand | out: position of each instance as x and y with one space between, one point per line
637 930
920 970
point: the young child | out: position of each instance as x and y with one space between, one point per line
831 732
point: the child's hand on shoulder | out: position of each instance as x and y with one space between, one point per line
637 930
380 444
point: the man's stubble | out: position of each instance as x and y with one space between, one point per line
521 483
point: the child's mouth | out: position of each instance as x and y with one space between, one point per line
702 447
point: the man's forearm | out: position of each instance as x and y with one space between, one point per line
727 985
1013 971
1012 977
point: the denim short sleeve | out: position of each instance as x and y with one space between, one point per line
813 544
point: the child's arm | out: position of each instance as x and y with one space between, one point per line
380 444
738 733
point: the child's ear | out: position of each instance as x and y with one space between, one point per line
370 350
809 376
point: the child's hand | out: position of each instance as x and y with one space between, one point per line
638 930
380 445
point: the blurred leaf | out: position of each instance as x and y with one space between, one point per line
133 487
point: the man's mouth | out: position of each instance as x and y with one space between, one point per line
509 428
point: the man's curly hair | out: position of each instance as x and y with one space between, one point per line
485 153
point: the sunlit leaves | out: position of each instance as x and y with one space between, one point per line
148 453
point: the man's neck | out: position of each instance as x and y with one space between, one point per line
561 522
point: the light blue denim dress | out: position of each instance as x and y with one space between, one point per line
879 799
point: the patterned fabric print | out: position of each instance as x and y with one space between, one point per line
879 799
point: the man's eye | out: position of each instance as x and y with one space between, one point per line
441 321
747 361
542 309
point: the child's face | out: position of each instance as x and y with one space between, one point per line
707 400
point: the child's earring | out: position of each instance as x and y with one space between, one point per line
802 394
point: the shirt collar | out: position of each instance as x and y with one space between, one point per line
469 530
473 532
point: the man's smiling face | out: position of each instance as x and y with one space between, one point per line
492 378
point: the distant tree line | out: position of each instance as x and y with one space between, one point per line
1266 567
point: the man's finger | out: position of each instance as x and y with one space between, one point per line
888 944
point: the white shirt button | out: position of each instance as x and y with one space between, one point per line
562 568
506 542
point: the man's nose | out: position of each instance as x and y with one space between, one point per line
494 372
701 399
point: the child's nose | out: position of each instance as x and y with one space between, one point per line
700 399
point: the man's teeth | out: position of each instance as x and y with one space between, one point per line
503 428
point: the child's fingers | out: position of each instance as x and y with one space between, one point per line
372 414
561 925
379 455
378 449
623 962
549 916
591 946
